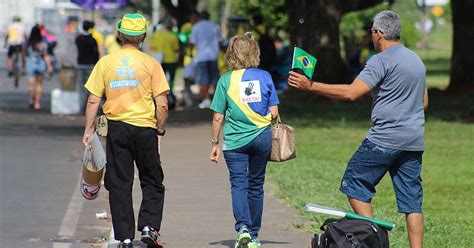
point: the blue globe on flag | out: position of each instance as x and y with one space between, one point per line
305 62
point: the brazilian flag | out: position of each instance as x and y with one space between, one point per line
303 62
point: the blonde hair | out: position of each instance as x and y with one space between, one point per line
243 52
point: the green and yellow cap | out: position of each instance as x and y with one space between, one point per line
132 24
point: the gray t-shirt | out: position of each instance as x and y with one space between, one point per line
397 79
206 36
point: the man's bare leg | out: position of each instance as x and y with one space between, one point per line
415 229
10 64
360 207
204 92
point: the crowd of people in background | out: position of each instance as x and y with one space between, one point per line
35 51
245 101
200 55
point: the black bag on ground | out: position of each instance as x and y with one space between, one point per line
348 233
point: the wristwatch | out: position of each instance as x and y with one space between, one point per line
214 142
161 132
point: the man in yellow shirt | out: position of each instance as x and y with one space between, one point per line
111 42
136 107
166 42
188 53
16 38
99 38
185 37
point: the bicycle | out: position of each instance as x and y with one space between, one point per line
16 67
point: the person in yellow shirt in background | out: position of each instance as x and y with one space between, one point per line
136 108
221 59
112 42
185 36
15 40
99 38
165 42
188 52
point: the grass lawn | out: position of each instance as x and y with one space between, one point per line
328 133
327 136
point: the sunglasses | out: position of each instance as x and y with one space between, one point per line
374 31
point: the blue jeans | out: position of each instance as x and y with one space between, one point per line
371 162
207 72
247 166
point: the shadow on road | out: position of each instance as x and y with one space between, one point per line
231 243
18 120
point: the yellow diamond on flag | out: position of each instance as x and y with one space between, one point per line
305 62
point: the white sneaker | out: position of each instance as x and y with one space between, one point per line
206 103
187 99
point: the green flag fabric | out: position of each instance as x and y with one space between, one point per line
304 62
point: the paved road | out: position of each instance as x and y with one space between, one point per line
39 173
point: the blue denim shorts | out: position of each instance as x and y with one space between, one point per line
371 162
35 67
207 72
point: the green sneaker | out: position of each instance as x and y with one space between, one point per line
242 237
255 243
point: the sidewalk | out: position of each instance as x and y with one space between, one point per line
197 205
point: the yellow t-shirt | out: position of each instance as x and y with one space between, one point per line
16 34
98 36
166 42
130 79
188 52
111 44
187 27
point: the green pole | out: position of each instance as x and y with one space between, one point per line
383 224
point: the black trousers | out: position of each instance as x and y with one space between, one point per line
127 144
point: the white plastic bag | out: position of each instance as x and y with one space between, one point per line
94 160
93 168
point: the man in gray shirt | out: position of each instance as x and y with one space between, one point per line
395 142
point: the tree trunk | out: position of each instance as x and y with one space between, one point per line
462 60
314 26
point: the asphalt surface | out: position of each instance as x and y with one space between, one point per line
40 203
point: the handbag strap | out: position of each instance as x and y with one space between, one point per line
276 126
278 119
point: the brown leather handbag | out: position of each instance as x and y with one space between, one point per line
283 142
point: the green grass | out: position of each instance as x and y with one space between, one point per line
437 62
437 57
328 133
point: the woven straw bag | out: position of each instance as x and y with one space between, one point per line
283 142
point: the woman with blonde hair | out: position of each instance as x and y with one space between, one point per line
246 101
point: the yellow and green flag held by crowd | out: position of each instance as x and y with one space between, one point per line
303 62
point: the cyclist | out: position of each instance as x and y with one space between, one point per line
16 38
